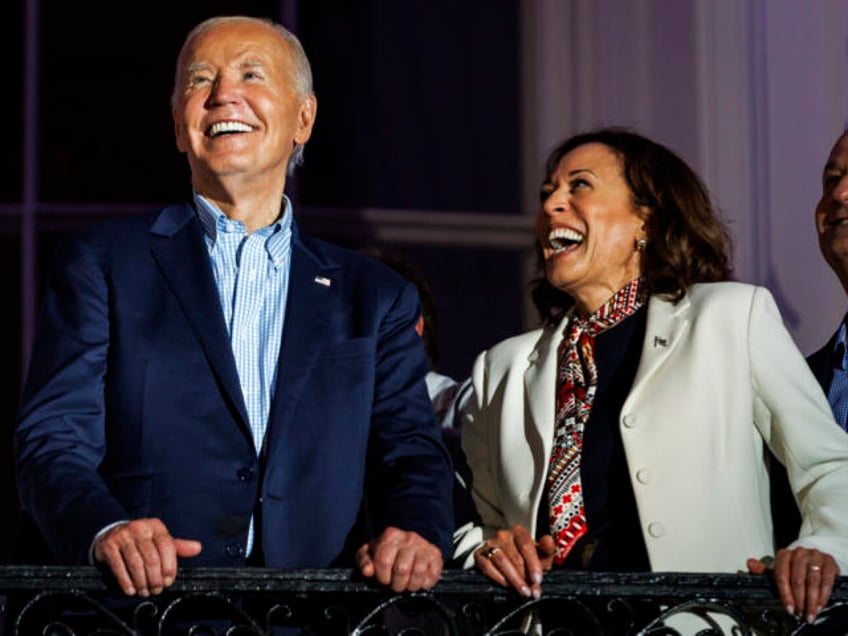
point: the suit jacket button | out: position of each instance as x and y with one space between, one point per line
234 550
244 474
656 529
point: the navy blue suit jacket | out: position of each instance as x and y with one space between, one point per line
819 363
132 406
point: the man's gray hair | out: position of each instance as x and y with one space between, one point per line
301 77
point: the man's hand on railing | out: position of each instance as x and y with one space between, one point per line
804 579
142 555
405 561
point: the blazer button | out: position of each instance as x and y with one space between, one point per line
234 550
643 475
656 529
629 421
245 474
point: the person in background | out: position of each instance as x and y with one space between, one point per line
210 383
441 388
446 394
648 397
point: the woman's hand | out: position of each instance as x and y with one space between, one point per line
513 557
804 579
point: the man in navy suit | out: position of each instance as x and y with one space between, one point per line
210 383
829 362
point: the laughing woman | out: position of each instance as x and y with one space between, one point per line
629 433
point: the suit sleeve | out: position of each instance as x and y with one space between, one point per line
59 436
477 436
795 419
409 470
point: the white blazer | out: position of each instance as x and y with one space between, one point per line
719 378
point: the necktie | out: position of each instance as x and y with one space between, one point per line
576 385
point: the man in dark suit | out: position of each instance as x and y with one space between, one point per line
210 383
829 362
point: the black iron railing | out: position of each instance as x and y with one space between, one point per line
55 601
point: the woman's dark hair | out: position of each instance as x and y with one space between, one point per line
687 242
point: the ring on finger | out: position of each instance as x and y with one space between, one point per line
491 551
814 568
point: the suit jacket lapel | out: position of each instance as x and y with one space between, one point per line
819 362
666 324
178 247
314 289
540 380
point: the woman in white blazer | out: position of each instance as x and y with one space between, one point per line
631 432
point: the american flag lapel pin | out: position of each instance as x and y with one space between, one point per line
321 280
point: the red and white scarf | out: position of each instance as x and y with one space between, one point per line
577 383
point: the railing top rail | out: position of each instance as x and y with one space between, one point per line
316 581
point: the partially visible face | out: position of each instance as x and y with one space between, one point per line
589 225
237 110
832 211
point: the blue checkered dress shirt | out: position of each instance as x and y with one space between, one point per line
252 275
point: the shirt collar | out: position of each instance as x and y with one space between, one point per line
278 234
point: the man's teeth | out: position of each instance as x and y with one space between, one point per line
222 127
562 238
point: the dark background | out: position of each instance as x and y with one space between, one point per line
417 111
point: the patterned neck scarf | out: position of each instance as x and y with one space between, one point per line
576 386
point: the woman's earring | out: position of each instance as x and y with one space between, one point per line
641 245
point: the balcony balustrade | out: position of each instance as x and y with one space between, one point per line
58 601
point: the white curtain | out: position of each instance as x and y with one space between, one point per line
752 93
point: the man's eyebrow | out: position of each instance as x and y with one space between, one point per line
262 67
831 165
197 67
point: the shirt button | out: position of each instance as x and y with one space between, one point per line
643 475
629 421
656 529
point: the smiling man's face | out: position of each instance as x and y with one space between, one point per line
832 211
237 109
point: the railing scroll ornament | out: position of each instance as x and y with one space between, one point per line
56 601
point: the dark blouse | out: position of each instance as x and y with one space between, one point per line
613 541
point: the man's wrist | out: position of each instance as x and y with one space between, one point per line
103 531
